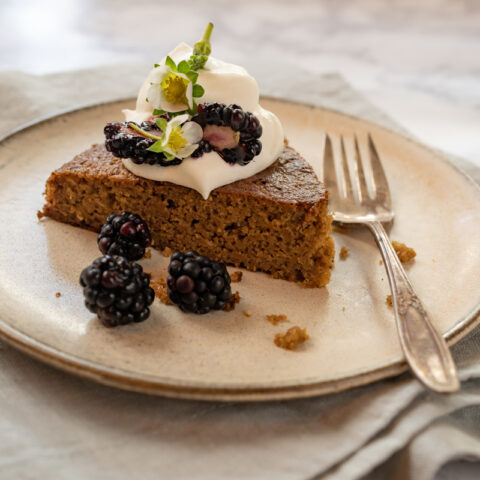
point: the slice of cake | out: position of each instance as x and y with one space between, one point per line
207 168
276 221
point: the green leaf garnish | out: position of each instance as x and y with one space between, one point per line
161 123
198 91
192 76
183 67
197 62
156 147
156 112
169 156
156 65
171 64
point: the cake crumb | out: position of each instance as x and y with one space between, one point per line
167 252
380 262
231 302
344 253
389 300
148 253
58 294
40 214
343 309
275 319
236 276
160 288
404 253
339 229
292 338
247 313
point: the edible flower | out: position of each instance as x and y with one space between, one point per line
181 140
170 90
173 87
180 137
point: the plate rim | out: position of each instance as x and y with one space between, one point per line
128 381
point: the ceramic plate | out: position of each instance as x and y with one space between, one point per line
229 356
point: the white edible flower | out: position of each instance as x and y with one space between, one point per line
181 140
170 91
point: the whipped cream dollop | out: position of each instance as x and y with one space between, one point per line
224 83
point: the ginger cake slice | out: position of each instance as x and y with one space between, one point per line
276 221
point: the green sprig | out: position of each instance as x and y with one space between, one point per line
197 61
135 127
203 47
201 50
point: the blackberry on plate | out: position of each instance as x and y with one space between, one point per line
125 142
244 126
196 283
125 234
117 290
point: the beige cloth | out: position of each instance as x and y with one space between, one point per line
53 425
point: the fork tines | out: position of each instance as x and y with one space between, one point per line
353 180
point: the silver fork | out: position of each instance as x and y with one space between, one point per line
426 351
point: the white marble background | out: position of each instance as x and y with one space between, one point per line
417 60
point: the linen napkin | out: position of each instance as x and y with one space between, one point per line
53 425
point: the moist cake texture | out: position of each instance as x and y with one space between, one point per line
276 221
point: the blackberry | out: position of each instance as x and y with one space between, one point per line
117 290
203 147
196 283
125 234
125 142
245 123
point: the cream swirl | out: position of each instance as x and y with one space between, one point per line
224 83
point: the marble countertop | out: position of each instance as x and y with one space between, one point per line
418 61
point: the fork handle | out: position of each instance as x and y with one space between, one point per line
426 351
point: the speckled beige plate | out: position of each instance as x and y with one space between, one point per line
228 356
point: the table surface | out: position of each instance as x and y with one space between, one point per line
418 61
